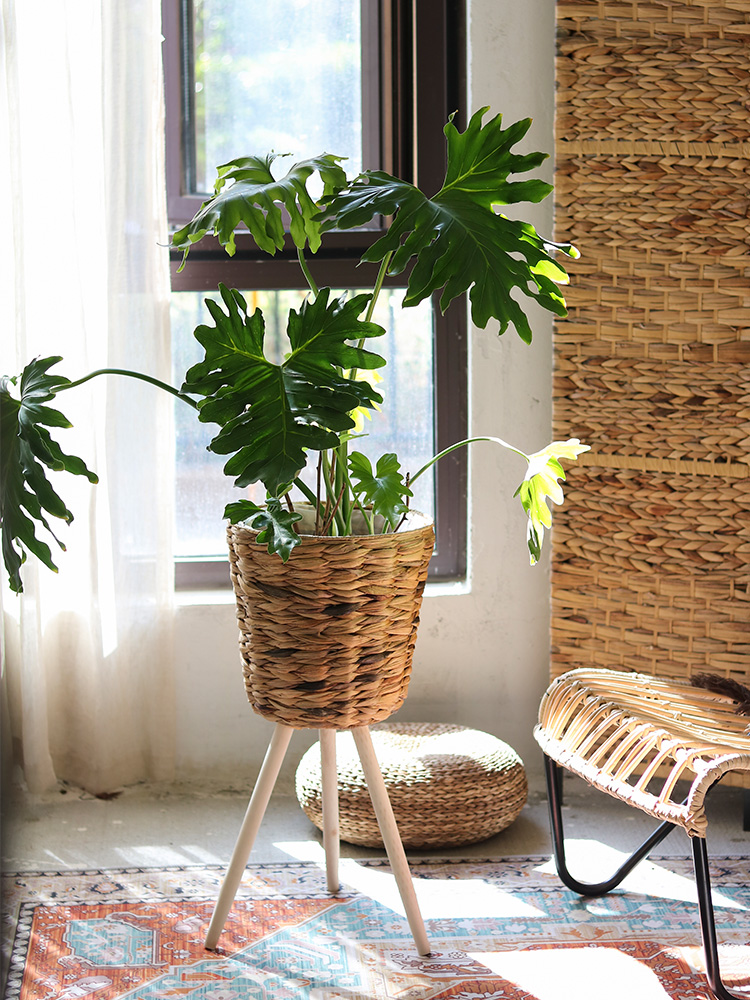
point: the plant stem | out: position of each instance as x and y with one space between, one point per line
373 299
461 444
306 271
317 491
369 517
335 512
144 378
345 506
378 285
305 489
353 502
339 486
328 477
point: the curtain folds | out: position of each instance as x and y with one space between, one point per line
88 675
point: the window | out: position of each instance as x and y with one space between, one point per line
374 81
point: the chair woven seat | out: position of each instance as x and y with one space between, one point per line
448 785
638 737
657 744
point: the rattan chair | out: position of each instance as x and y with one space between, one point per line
656 744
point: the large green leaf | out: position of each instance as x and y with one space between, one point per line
460 242
26 446
271 414
256 198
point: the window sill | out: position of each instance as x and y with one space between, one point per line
217 596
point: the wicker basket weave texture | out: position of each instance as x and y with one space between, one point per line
327 639
652 366
448 785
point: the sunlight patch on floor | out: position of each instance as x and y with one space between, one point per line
302 850
575 974
438 898
734 963
590 860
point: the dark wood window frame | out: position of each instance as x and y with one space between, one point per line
420 75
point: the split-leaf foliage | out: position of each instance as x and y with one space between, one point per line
274 418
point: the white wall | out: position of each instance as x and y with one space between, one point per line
482 654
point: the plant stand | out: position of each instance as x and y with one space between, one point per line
326 643
259 802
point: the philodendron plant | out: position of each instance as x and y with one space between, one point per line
275 418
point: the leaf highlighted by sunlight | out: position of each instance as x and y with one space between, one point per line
542 481
362 413
460 242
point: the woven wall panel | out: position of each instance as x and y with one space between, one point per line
651 550
643 521
665 20
673 410
653 77
667 624
664 243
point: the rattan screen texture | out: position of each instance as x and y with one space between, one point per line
652 366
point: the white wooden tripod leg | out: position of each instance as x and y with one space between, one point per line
330 796
269 772
391 837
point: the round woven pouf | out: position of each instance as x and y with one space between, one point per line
448 785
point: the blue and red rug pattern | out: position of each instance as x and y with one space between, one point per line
499 929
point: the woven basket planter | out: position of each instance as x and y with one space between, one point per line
327 638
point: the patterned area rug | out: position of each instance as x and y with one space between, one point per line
498 929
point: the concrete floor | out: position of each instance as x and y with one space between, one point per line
149 826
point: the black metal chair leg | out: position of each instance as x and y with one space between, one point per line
700 863
708 923
554 781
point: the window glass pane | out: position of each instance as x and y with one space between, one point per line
283 77
404 425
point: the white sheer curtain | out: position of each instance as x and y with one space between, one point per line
88 664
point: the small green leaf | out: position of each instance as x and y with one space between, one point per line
384 489
273 522
241 510
26 448
534 541
542 481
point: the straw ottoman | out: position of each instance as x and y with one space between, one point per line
448 785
